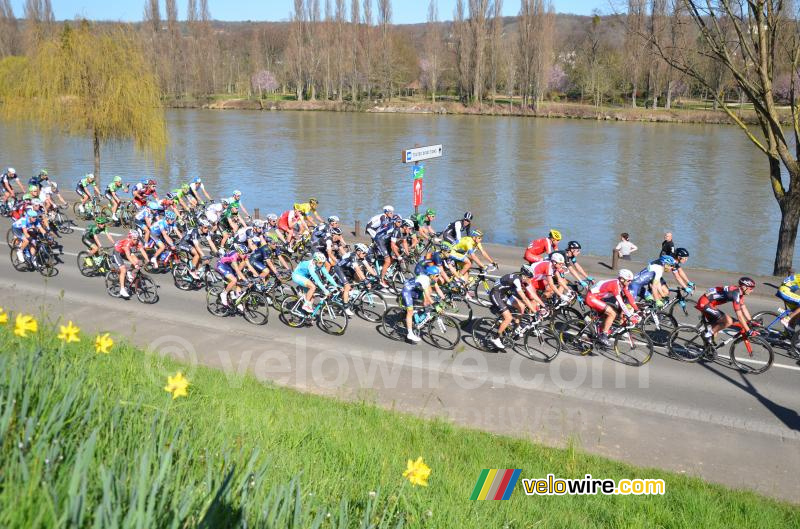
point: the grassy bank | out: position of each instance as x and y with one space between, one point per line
689 112
93 439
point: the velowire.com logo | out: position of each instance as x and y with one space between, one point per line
495 484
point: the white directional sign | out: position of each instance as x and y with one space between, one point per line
422 153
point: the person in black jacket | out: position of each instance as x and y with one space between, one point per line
667 247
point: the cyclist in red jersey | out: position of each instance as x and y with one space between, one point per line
124 252
541 247
547 277
606 298
714 297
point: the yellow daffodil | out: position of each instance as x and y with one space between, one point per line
417 472
69 333
103 343
3 316
25 324
177 385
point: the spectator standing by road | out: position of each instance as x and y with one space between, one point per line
668 246
623 250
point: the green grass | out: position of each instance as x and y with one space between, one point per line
93 440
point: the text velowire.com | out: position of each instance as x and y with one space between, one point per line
552 486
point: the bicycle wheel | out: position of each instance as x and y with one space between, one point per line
10 238
566 314
442 332
20 265
76 209
370 306
214 303
394 323
542 343
633 347
483 330
752 355
281 292
458 309
794 350
112 283
86 264
292 312
47 262
256 308
332 319
147 290
213 279
686 344
774 334
575 335
181 278
480 292
659 327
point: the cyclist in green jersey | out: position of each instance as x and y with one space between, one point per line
112 189
91 237
85 186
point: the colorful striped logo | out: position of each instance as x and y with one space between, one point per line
495 484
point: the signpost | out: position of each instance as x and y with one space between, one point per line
416 155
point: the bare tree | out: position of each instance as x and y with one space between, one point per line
764 38
295 53
355 22
496 34
152 15
431 64
38 21
536 34
9 31
340 41
386 64
478 13
635 45
463 48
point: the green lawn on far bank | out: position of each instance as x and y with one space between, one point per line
93 440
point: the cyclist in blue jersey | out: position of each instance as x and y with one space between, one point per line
161 232
647 283
416 288
25 230
307 275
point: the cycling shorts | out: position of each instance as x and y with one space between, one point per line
118 258
531 256
81 191
598 304
408 295
110 197
225 269
18 233
498 299
344 274
88 240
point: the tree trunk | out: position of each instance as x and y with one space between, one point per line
790 215
633 95
97 161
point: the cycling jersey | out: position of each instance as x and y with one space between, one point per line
128 245
142 215
25 223
191 236
93 229
305 208
306 270
457 230
719 296
85 183
214 211
288 219
465 247
611 290
114 187
414 288
507 286
789 291
157 229
7 178
539 247
429 259
195 187
232 257
651 274
376 223
179 193
37 181
245 234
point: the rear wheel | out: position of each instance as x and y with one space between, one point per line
147 290
112 284
10 238
292 312
181 277
575 336
659 327
86 264
542 343
332 319
443 332
20 265
396 281
47 262
394 323
256 308
214 302
686 344
752 355
370 306
483 330
634 347
213 279
480 292
76 209
459 309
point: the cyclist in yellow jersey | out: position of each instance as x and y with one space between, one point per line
309 211
464 252
789 292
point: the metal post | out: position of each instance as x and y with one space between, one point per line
256 213
357 229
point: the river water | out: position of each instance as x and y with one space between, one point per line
519 176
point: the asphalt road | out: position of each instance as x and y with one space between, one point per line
706 420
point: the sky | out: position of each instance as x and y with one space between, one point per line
404 11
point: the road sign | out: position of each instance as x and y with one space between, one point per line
422 153
417 193
418 171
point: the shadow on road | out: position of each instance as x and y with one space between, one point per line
787 416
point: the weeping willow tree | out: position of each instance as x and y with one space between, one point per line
91 82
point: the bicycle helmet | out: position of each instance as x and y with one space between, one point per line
555 235
573 245
154 205
432 270
313 201
408 223
90 177
101 220
747 282
431 212
133 234
667 260
527 270
185 188
43 172
151 182
557 258
362 248
625 274
54 186
37 202
117 179
272 217
169 196
224 201
258 223
397 218
237 193
11 170
170 215
388 209
681 252
319 257
241 249
332 219
468 215
196 180
31 214
33 187
477 234
336 231
203 223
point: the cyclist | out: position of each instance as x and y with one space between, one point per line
196 187
215 209
309 211
230 267
190 243
250 237
647 283
307 276
546 277
458 229
681 256
353 266
161 233
464 252
39 180
48 191
606 298
236 200
271 229
571 259
422 223
125 252
435 259
714 297
291 223
143 192
386 245
538 248
6 179
327 239
789 292
91 237
179 194
227 223
25 230
84 188
111 194
380 221
145 217
510 290
419 287
261 258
